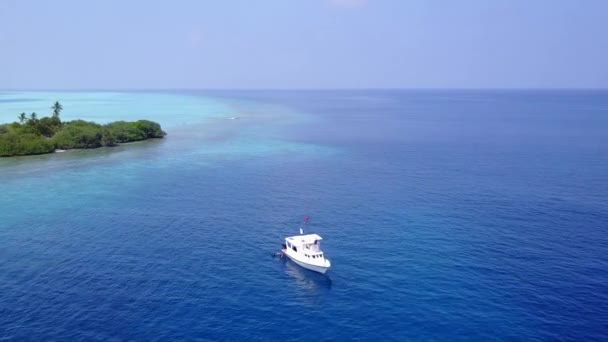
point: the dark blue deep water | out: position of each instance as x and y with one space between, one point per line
447 215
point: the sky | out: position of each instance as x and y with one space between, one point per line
303 44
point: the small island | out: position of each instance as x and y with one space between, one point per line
32 135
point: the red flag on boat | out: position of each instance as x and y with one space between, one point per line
306 219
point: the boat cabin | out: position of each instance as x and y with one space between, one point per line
308 245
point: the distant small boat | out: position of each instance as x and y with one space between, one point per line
233 118
305 250
59 151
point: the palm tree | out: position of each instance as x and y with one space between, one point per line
56 109
34 117
22 118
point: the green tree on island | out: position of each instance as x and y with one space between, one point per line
22 118
57 108
55 121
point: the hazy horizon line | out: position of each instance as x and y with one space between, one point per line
317 89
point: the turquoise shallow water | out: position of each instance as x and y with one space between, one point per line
110 106
447 215
199 126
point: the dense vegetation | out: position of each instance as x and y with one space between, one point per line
31 135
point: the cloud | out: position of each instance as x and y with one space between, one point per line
347 3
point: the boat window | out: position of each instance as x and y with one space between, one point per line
320 255
294 248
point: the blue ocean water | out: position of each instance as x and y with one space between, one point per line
447 215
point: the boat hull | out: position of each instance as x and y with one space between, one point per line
315 268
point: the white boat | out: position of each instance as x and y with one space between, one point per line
305 250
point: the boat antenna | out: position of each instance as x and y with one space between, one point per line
305 223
